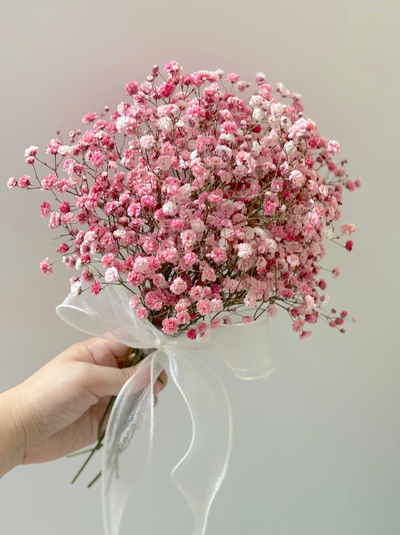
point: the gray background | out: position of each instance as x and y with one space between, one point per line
316 445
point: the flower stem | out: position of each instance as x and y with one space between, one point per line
138 356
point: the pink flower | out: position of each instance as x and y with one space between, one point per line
147 142
45 266
191 334
31 151
135 278
24 181
49 181
195 293
348 228
132 88
349 245
298 325
148 201
305 335
134 301
53 146
111 275
215 323
12 182
208 274
293 260
336 272
65 207
96 157
333 147
170 325
45 209
218 255
142 313
55 220
217 305
269 208
297 179
89 117
178 286
63 248
204 307
96 287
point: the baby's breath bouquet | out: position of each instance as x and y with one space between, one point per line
206 202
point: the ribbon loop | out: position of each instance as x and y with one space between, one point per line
199 474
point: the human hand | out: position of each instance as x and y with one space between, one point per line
58 409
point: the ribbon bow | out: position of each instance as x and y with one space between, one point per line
199 474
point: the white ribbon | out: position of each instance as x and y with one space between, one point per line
199 474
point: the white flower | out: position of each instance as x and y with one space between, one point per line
222 149
282 89
227 137
65 150
119 233
165 124
204 337
260 232
276 109
310 304
111 274
89 236
76 288
74 180
250 299
289 147
258 115
219 73
270 245
169 208
256 101
79 265
245 250
31 151
256 149
324 299
186 191
327 232
197 224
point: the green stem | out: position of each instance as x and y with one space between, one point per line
94 480
139 354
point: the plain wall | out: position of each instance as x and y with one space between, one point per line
316 444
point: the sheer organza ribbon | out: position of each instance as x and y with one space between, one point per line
199 474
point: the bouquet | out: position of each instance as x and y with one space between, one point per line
206 207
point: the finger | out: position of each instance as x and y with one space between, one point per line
106 381
106 352
162 380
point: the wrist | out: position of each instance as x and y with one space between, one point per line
12 436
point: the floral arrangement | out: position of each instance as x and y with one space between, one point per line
198 201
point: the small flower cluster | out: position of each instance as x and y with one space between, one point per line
198 201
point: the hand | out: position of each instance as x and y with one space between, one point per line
58 409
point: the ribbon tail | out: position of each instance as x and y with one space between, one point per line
132 415
201 471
